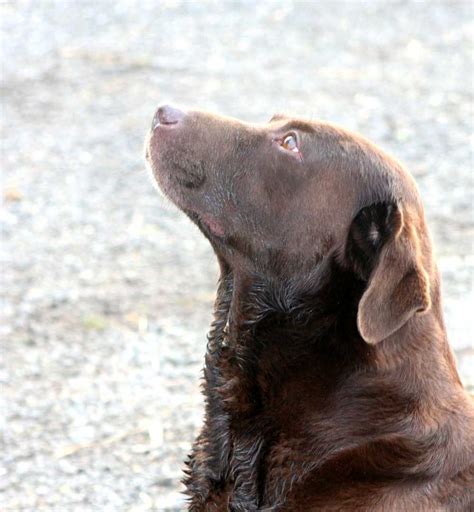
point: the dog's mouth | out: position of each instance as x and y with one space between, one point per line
180 183
177 175
210 225
187 176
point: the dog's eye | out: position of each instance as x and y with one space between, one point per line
290 143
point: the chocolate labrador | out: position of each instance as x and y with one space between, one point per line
329 380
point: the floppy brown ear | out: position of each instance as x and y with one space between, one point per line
279 117
398 285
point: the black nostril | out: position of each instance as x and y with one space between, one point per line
167 115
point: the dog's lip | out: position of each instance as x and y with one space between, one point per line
208 223
214 225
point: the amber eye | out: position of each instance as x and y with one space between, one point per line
289 143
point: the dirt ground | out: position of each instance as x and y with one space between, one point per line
106 289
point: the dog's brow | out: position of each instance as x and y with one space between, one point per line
299 125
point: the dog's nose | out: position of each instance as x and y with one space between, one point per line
167 115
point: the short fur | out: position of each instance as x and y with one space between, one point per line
329 381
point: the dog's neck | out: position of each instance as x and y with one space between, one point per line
317 319
260 329
255 308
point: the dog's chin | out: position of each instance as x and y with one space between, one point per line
154 181
150 167
162 183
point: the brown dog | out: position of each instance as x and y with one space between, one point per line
329 381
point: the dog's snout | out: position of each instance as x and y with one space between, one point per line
166 115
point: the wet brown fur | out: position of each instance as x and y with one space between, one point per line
329 381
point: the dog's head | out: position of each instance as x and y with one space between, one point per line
280 199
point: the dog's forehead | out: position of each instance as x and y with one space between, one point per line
282 121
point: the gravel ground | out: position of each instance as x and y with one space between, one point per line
107 290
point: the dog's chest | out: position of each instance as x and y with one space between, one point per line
293 380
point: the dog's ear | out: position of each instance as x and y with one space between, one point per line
384 250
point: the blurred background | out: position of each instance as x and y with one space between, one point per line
106 289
